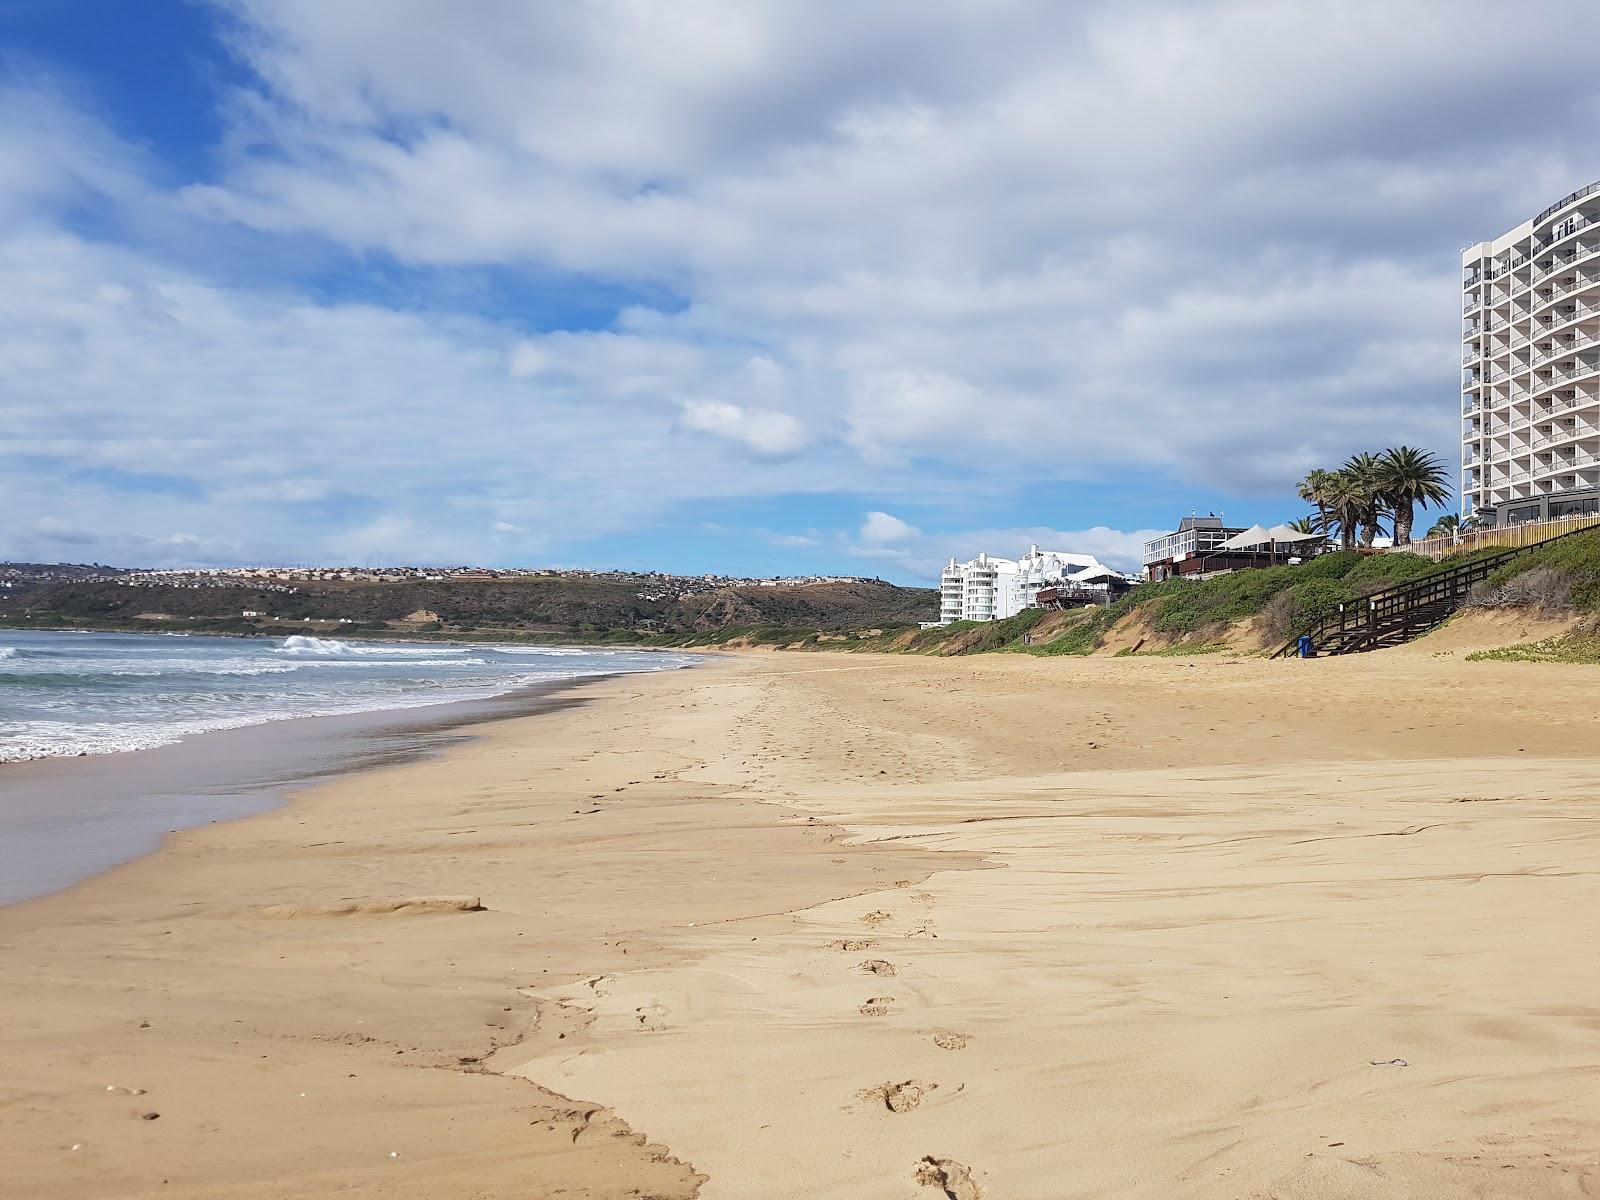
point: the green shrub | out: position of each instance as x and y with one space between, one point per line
1376 572
1085 636
1576 557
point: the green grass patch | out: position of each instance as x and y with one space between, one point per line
1179 650
1580 648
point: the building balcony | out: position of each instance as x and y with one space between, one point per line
1496 269
1562 349
1568 226
1559 465
1571 287
1586 368
1558 437
1559 320
1577 254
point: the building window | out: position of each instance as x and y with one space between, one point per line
1575 508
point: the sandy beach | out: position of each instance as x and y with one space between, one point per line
863 927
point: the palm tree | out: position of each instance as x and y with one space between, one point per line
1446 526
1314 489
1364 472
1346 501
1407 477
1308 524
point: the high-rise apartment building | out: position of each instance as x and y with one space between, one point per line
1531 367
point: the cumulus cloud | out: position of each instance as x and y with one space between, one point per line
770 433
910 255
921 554
881 527
1039 231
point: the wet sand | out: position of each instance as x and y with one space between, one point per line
829 926
65 819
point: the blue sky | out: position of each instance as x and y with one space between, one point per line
721 287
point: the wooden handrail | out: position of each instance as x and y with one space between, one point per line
1448 587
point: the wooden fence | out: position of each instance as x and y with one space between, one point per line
1509 536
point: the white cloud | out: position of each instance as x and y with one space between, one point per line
923 554
881 527
769 433
913 254
140 399
1041 232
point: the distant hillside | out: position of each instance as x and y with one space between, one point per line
613 609
21 579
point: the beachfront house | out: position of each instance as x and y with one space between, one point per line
991 589
1203 546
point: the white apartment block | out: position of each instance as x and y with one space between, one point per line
1531 367
992 589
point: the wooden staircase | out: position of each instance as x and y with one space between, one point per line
1397 615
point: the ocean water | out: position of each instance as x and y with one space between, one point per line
70 694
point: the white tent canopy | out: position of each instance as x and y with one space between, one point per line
1284 533
1256 535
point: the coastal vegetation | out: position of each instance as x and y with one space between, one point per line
1580 647
1571 564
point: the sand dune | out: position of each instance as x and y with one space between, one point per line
866 927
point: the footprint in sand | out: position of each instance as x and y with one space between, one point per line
651 1016
900 1097
876 966
947 1039
850 944
876 917
953 1178
877 1006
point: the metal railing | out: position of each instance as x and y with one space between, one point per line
1576 254
1571 463
1564 348
1576 433
1577 285
1583 369
1562 203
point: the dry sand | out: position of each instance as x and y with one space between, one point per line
826 926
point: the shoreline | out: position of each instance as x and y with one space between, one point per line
213 776
878 926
